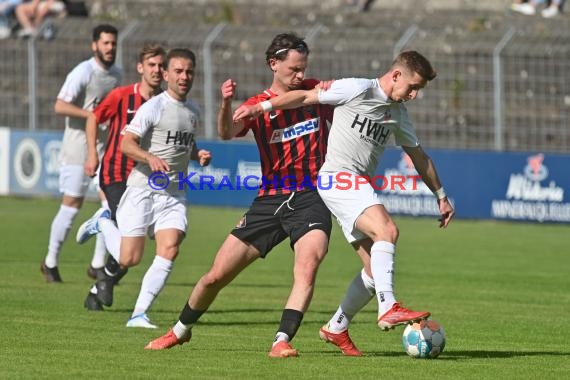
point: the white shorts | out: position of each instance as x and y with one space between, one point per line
347 202
73 181
142 209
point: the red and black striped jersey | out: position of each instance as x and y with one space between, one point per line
292 144
119 108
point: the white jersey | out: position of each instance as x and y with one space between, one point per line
363 121
166 127
85 86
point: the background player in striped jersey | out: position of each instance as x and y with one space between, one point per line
292 148
85 87
118 108
160 139
367 112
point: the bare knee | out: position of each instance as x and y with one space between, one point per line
393 232
388 231
132 249
168 243
130 260
213 280
305 269
310 251
169 252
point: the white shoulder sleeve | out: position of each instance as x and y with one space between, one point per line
147 116
406 135
195 108
75 82
344 90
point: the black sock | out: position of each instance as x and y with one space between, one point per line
112 266
189 316
290 322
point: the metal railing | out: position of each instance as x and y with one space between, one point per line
498 88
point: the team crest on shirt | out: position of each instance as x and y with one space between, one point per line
300 129
242 222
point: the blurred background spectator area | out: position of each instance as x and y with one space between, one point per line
503 77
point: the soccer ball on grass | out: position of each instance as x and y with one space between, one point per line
425 339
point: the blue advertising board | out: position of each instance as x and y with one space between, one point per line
488 185
529 186
222 182
34 163
34 167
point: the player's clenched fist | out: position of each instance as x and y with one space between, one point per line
228 89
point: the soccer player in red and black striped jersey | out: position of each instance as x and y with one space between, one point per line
292 147
118 109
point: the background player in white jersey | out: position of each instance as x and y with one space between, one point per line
118 110
160 139
85 86
367 112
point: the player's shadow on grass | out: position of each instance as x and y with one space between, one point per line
475 354
215 311
232 285
464 355
492 354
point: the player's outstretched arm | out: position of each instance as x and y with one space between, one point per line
426 169
289 100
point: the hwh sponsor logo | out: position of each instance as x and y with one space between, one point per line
370 130
180 138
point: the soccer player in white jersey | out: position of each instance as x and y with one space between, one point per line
117 110
367 112
85 86
160 138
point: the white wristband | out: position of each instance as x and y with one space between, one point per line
266 106
440 194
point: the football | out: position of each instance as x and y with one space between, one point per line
425 340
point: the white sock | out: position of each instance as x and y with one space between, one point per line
112 237
60 227
105 204
359 293
280 336
98 260
93 289
152 283
382 266
181 330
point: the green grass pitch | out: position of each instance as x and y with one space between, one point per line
501 291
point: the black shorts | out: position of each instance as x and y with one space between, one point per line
113 192
271 219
